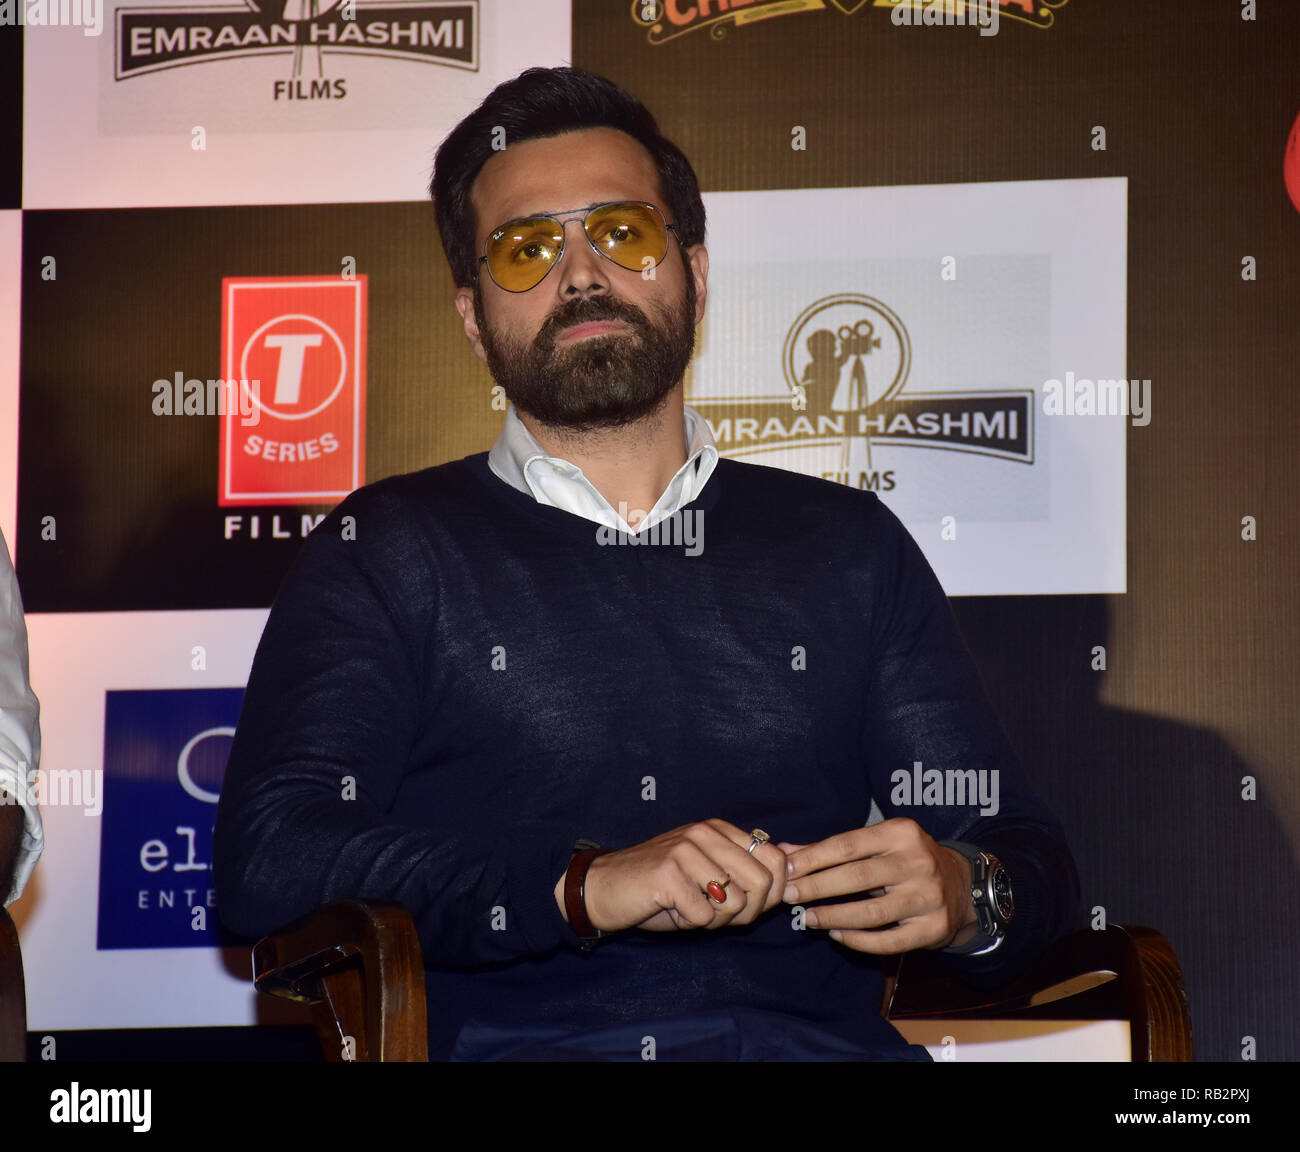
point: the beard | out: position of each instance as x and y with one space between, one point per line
598 382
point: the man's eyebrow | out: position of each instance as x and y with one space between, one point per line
562 211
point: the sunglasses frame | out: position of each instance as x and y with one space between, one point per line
562 218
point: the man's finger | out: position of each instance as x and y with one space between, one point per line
760 873
859 915
889 941
838 849
869 875
774 861
896 907
734 902
687 895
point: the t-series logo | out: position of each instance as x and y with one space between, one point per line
297 344
165 754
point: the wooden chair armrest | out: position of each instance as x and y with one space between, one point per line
358 964
1128 973
13 993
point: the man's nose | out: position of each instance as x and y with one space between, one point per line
581 269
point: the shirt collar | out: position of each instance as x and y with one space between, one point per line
521 462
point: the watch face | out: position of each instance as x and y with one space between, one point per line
1000 886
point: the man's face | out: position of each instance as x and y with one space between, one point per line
576 379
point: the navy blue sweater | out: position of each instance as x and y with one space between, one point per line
456 682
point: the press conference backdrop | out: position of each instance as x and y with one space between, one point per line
1032 281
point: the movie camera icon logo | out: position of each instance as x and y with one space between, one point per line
846 360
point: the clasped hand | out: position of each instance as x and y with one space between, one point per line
660 885
916 893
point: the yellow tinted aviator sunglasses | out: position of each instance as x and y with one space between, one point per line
520 253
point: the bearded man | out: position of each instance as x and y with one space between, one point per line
637 798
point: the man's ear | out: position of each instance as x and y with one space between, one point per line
465 306
698 266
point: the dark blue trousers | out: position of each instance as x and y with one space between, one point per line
739 1034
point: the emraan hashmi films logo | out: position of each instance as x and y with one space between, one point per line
846 361
149 39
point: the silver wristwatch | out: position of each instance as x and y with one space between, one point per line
990 893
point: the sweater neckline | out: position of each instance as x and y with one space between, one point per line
558 519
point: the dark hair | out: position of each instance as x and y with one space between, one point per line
549 102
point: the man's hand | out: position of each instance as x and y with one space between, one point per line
660 884
917 893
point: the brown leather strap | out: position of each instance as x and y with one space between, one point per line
575 894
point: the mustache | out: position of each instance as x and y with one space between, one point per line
591 310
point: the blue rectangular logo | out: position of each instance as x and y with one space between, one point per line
165 754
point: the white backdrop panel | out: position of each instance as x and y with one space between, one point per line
94 138
1037 290
75 660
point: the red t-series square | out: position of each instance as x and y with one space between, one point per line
295 349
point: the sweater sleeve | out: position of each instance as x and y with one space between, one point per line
926 706
307 809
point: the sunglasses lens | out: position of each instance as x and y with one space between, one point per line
522 252
634 236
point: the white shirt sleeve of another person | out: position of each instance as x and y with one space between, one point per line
20 731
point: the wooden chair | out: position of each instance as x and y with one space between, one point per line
358 965
1119 973
13 994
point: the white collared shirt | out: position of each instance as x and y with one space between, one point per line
522 463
